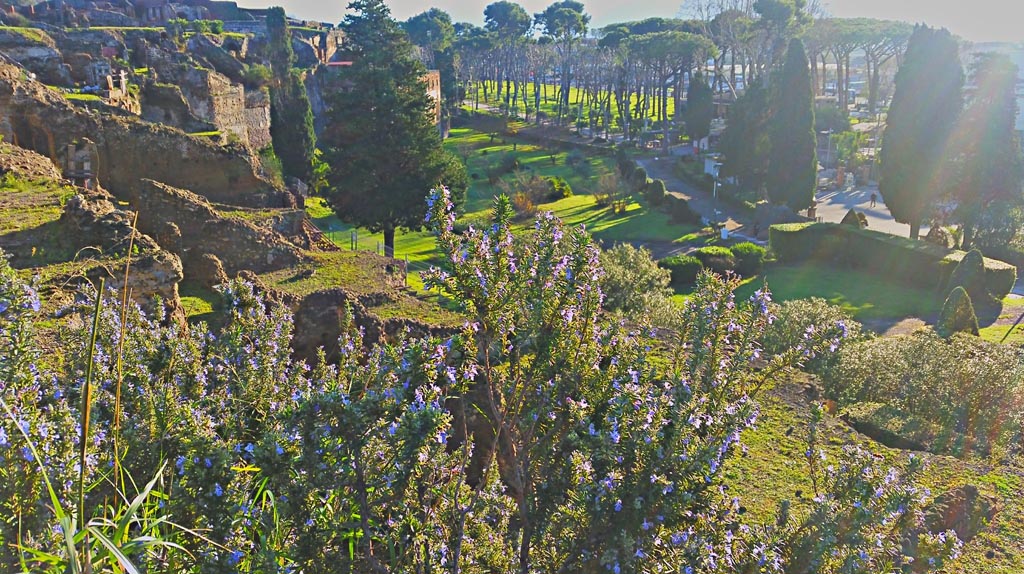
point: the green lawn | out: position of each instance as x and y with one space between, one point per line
549 104
862 295
638 223
774 469
84 97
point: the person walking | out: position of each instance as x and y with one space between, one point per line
874 198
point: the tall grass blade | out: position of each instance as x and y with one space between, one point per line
114 551
86 413
125 294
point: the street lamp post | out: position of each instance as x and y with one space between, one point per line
828 149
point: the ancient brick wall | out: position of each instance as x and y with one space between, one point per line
257 119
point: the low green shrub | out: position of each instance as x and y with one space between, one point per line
560 189
508 163
638 179
624 163
684 269
635 285
796 320
716 258
965 385
957 314
655 192
679 210
855 219
749 258
938 235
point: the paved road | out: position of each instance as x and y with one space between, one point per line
833 206
700 201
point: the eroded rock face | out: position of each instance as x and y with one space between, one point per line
92 220
129 149
25 164
207 270
37 52
198 230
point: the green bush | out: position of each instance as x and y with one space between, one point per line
794 319
508 163
624 163
749 258
938 235
684 269
655 191
638 179
854 219
915 262
635 285
680 211
560 189
256 76
970 388
970 274
716 258
957 314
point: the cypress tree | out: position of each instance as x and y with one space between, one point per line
793 159
291 117
700 108
745 139
991 168
382 146
925 107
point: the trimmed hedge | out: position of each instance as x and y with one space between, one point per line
957 315
970 274
684 269
916 262
718 259
749 258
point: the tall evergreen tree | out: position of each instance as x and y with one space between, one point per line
291 117
433 31
383 148
744 142
793 159
990 168
926 104
700 108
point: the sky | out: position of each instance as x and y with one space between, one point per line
977 20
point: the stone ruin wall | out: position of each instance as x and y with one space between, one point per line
129 149
257 119
187 225
240 115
